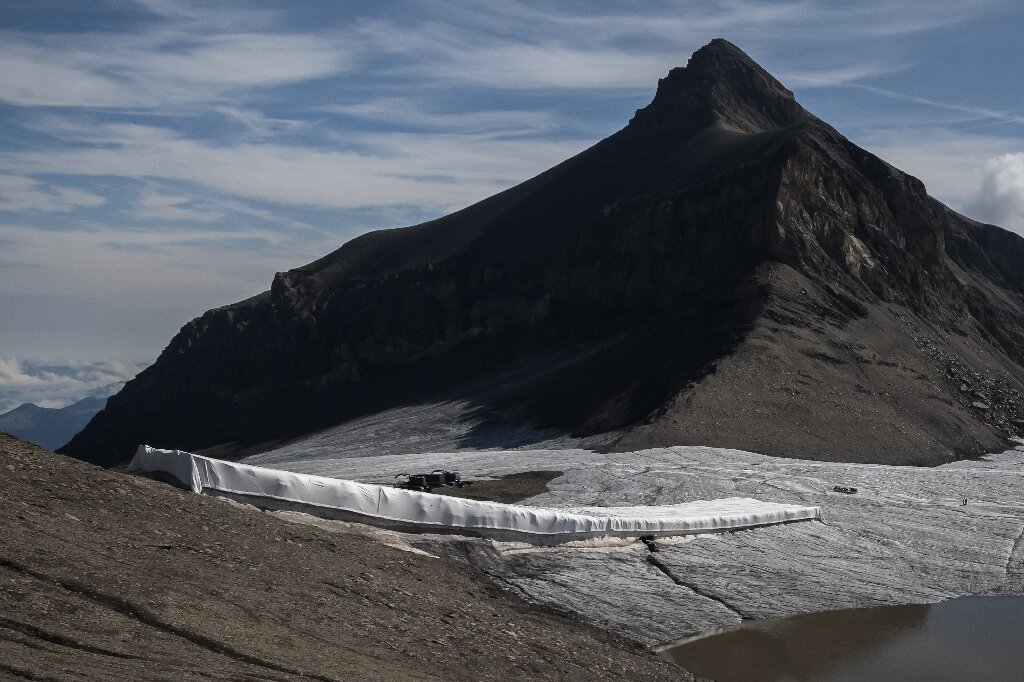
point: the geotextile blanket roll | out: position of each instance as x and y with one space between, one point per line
390 506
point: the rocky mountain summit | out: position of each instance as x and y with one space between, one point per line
726 270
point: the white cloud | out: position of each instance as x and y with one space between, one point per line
236 60
407 112
18 193
1000 199
37 78
55 384
970 171
129 264
843 75
256 124
454 55
950 163
888 20
974 112
434 171
158 70
520 45
520 66
689 23
152 205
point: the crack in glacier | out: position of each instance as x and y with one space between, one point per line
1013 550
653 561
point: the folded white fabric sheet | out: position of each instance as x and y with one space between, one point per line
379 503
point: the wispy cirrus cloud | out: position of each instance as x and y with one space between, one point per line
160 70
185 260
439 171
404 113
19 193
153 205
844 75
973 112
524 45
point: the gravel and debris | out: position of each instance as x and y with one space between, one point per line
107 576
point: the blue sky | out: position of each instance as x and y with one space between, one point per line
160 158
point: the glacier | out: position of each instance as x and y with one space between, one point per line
906 536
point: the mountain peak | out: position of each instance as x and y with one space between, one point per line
721 84
726 271
721 50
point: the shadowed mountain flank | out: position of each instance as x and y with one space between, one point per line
726 270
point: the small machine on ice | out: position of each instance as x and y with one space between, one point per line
438 478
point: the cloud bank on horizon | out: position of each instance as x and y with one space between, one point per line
163 157
59 385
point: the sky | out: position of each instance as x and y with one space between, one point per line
159 158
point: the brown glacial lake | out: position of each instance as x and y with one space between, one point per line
971 638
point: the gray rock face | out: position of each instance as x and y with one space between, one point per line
726 270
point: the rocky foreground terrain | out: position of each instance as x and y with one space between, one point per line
726 270
105 576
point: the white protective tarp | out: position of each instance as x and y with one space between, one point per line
387 504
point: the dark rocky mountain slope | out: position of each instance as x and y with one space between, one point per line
727 270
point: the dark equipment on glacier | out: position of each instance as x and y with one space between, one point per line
438 478
845 489
651 542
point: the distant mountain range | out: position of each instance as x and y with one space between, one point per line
50 427
727 270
